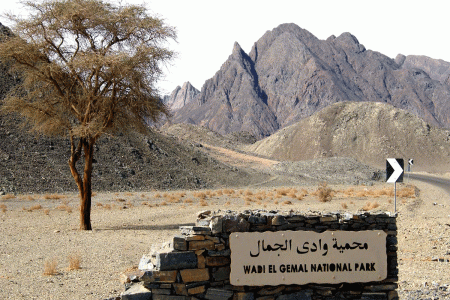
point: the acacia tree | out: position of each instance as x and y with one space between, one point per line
89 68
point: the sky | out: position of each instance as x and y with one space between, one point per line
208 29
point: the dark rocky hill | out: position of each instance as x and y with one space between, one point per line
367 131
290 74
133 162
123 163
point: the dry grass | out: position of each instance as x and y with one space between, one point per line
47 211
188 201
248 193
324 193
344 205
74 262
3 208
121 200
203 202
228 192
200 195
407 192
8 197
50 267
287 202
64 207
54 196
370 205
32 208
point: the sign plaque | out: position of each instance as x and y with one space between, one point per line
301 257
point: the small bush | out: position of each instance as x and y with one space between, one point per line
344 205
50 267
200 195
54 196
3 208
370 205
64 207
8 197
74 262
324 193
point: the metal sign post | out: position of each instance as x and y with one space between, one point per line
394 173
395 196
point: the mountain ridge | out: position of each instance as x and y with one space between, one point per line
289 74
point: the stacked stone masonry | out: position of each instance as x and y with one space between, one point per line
197 263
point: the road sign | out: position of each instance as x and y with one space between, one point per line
394 170
410 161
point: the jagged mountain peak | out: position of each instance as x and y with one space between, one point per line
181 96
290 74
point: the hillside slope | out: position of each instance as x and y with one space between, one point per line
367 131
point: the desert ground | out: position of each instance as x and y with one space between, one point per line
43 254
40 229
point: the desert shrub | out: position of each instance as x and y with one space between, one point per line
282 191
74 262
344 205
287 202
324 193
3 208
50 267
32 208
64 207
370 205
8 197
227 203
407 192
248 193
54 196
201 195
121 200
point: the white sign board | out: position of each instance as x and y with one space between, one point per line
301 257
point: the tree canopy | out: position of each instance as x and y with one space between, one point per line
88 67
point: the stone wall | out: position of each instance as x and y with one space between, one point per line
196 265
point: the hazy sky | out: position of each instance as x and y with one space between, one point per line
207 29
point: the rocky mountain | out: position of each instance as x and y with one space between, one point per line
290 74
181 96
367 131
437 69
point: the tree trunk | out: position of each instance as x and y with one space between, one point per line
84 184
86 196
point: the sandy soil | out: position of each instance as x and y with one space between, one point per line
128 225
